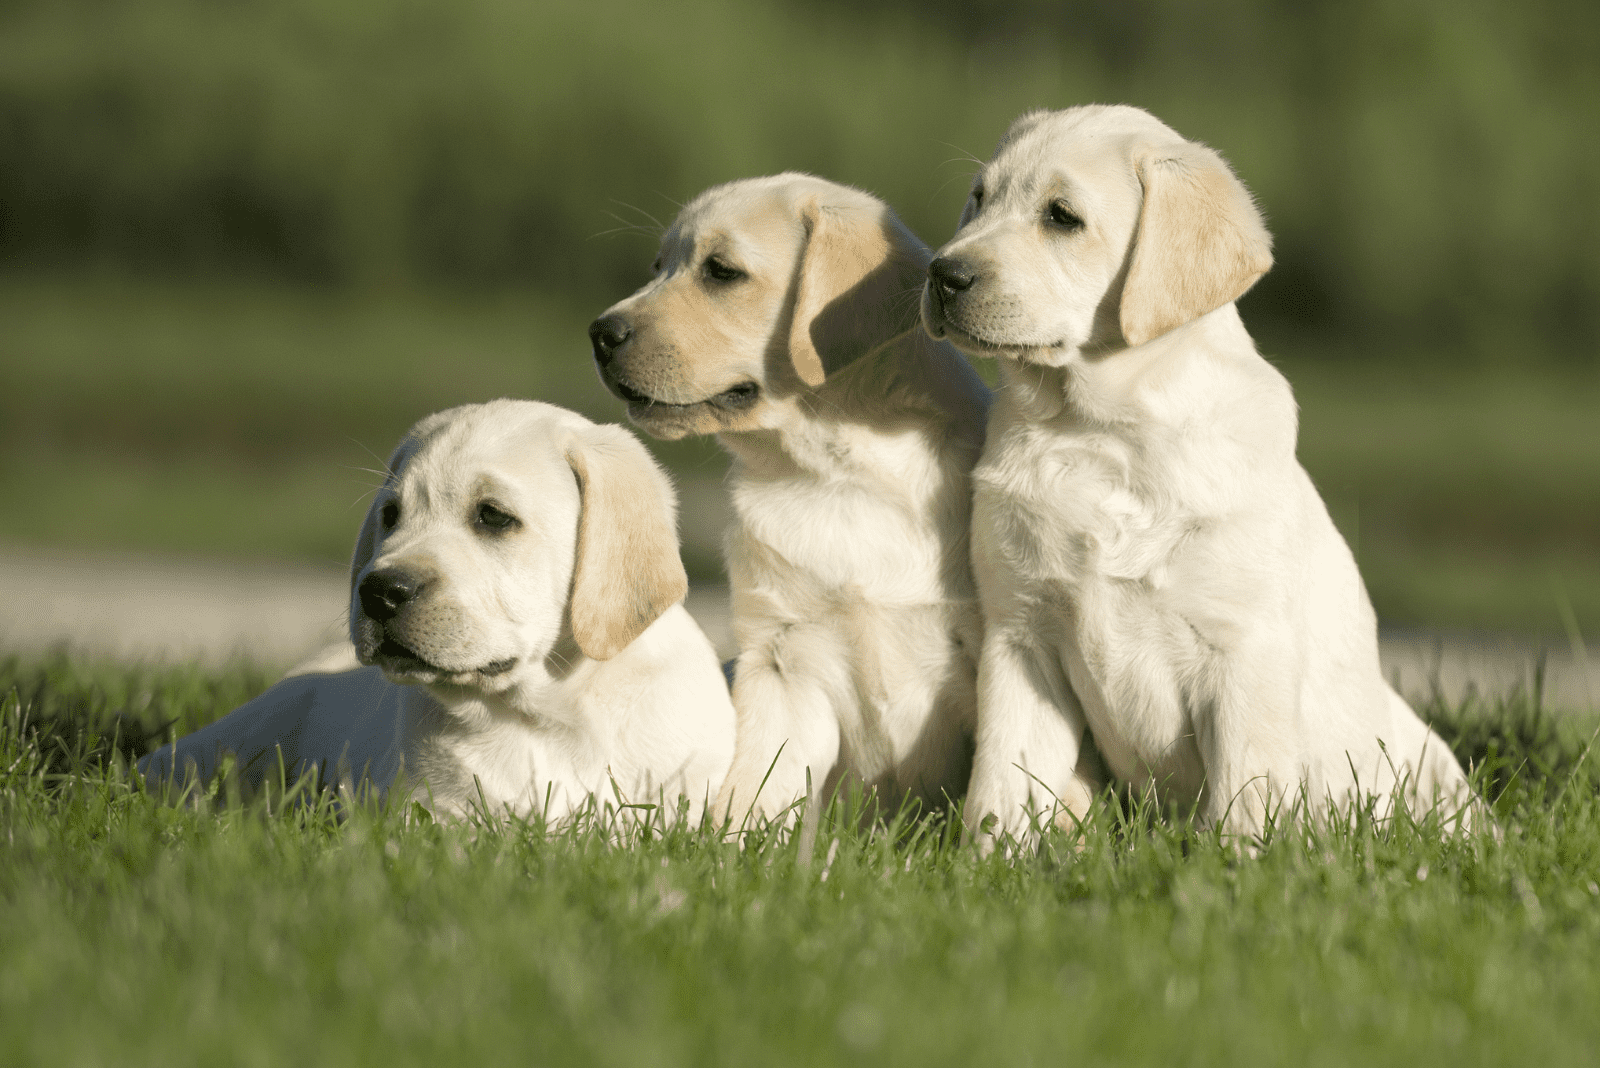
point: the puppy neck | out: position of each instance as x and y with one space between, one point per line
1109 385
950 382
912 382
538 693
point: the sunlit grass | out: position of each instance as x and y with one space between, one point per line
139 931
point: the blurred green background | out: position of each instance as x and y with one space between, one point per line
244 244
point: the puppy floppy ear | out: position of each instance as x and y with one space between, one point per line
627 571
1201 242
859 281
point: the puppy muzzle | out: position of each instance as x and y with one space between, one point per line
397 629
611 334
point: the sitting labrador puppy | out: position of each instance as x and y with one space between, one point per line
515 599
782 318
1153 562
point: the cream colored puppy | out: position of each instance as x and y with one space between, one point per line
515 598
782 318
1154 564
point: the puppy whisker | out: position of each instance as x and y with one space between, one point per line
381 476
910 298
368 450
626 228
655 224
963 157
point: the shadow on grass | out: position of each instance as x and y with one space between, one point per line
80 715
1514 743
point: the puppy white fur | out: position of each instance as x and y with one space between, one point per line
515 599
1153 562
782 317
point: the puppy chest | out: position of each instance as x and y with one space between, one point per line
832 539
1074 514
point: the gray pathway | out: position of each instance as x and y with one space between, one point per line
131 606
151 607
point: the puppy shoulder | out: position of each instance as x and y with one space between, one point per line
665 694
1228 394
673 653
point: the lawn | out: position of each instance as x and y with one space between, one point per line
139 933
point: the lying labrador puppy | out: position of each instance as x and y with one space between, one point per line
782 318
515 596
1153 562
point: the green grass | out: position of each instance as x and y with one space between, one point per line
136 932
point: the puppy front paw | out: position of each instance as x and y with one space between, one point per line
754 797
1010 814
1007 820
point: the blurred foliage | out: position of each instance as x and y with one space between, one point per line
243 244
1429 166
251 419
1470 500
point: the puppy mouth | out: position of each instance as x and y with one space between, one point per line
942 325
401 661
735 398
967 341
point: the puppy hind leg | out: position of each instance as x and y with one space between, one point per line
1030 735
1434 779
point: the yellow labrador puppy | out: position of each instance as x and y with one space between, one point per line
782 317
515 599
1154 564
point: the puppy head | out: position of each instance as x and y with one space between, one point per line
763 288
499 525
1091 229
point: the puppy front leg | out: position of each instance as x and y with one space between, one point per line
788 729
1030 734
1249 740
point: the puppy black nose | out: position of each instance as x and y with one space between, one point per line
384 593
609 333
951 275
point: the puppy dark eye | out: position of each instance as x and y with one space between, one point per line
495 520
1062 216
655 268
390 515
720 270
977 198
